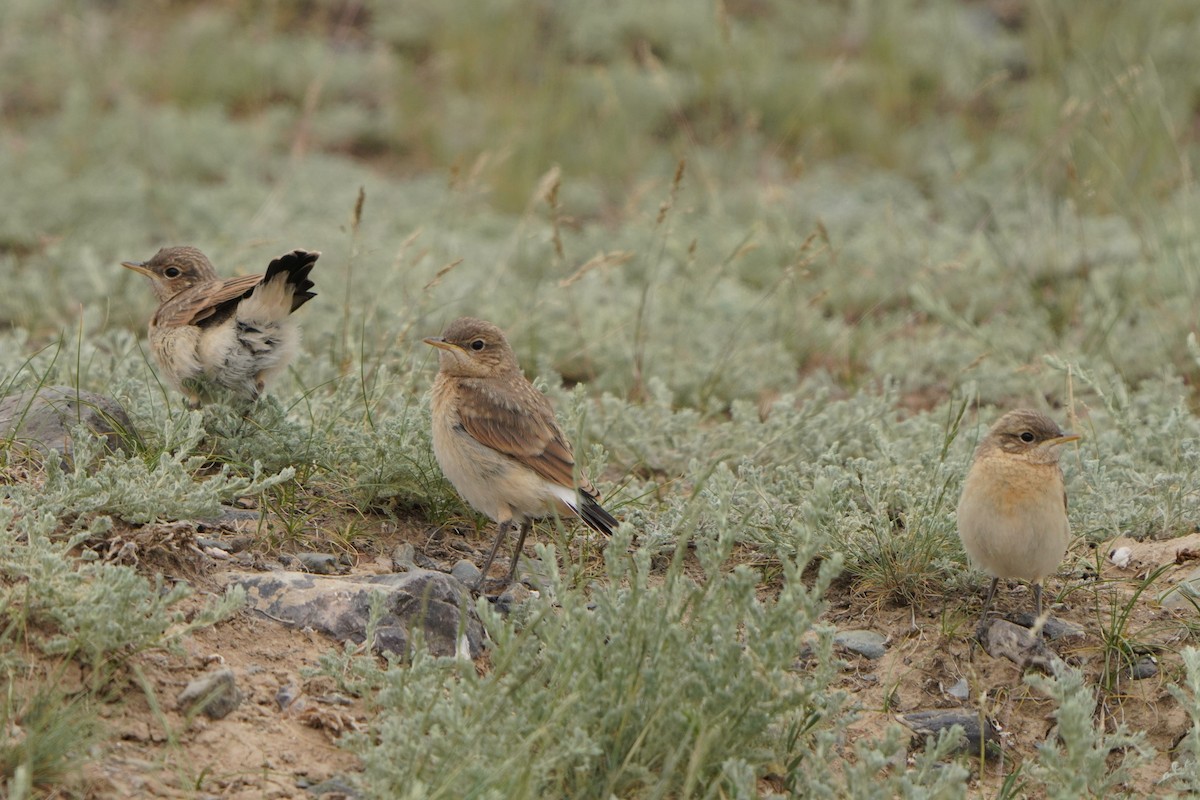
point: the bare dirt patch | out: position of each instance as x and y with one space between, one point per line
263 750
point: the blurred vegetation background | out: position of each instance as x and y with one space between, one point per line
871 189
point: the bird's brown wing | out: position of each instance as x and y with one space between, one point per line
200 303
514 418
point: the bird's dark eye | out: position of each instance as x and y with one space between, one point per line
172 272
477 344
1027 436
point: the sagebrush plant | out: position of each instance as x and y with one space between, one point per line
639 686
170 486
1184 775
1084 760
96 611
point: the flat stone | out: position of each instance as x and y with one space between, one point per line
1146 667
320 563
335 787
960 690
1185 595
512 596
976 734
339 607
467 572
403 557
1004 639
866 643
39 421
214 694
1053 629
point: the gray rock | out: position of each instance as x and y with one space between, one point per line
320 563
235 519
1004 639
866 643
976 734
1185 595
467 572
1146 667
214 694
961 690
286 695
537 574
339 607
512 596
39 421
335 787
1053 629
402 557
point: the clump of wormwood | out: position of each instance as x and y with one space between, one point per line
141 488
1076 763
1184 776
99 612
636 687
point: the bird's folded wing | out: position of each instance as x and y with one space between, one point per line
519 422
195 305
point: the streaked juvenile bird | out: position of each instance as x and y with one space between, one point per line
497 441
211 336
1012 516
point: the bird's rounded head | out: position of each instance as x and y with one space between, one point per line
473 348
174 269
1027 433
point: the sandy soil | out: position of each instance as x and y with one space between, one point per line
264 751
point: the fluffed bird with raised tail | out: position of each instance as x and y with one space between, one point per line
497 440
211 335
1012 516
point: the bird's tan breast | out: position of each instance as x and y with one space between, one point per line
490 481
1012 517
177 351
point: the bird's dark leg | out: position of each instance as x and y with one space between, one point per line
504 526
1037 599
987 604
512 571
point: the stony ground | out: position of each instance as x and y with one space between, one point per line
281 741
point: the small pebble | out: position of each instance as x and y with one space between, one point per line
1184 595
960 690
402 557
1054 629
214 694
1146 667
931 723
466 571
319 563
866 643
335 786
